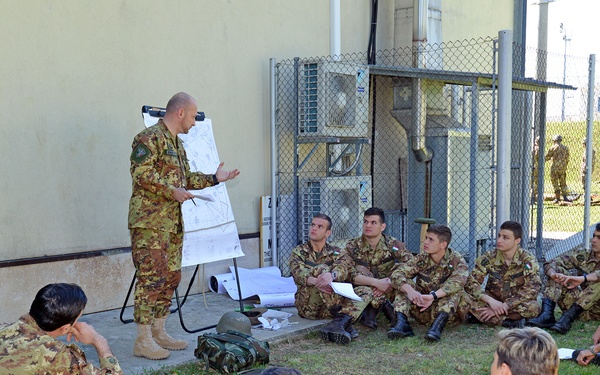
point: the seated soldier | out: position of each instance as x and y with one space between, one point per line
31 345
440 275
314 265
525 351
511 291
374 255
576 295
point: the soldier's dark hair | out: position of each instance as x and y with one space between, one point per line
178 100
324 217
443 232
376 211
598 227
56 305
514 227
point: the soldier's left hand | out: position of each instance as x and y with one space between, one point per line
223 175
426 301
572 282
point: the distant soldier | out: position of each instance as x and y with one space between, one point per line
510 294
375 254
314 265
535 167
559 154
432 298
584 162
578 295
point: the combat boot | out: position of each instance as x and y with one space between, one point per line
162 338
389 312
556 198
335 331
513 323
145 346
564 323
401 329
566 199
351 331
546 318
435 332
369 317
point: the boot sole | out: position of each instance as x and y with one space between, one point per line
545 325
138 354
432 338
338 338
560 330
392 335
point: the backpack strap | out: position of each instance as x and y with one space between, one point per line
263 351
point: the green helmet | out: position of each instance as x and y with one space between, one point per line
234 321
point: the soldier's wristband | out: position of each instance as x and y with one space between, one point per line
585 278
333 275
435 297
215 181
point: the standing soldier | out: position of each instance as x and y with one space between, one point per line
374 255
314 265
512 287
576 295
439 276
559 154
584 162
161 178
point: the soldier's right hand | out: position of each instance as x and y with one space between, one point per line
181 195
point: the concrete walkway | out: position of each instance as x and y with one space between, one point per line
198 311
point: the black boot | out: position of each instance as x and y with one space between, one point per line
401 329
594 361
389 312
546 317
513 323
471 319
369 317
435 332
566 199
335 330
351 331
564 323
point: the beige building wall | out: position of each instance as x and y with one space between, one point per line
74 77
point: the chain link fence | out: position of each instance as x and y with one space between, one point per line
416 142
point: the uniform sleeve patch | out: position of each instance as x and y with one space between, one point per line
528 266
140 153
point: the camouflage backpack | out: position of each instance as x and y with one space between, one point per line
231 351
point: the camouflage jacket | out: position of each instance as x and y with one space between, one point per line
512 284
378 262
579 259
559 154
305 262
450 274
27 349
159 165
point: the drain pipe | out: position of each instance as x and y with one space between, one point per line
334 29
419 100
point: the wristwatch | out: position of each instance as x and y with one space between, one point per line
592 350
435 297
334 275
215 181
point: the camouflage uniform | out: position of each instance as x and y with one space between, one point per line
559 154
584 165
310 301
158 166
449 275
517 285
586 295
376 263
26 349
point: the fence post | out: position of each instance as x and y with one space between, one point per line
504 126
588 152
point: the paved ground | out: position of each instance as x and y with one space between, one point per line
199 311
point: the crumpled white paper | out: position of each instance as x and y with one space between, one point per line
273 320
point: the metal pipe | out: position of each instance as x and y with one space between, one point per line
334 29
419 101
588 152
473 168
504 126
274 197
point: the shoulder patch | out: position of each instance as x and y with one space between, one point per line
528 266
485 262
580 258
140 153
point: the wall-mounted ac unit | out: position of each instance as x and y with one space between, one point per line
344 199
333 99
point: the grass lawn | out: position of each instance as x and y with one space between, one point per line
464 349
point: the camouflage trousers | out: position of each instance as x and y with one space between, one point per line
376 302
524 309
314 304
559 181
157 258
586 295
448 304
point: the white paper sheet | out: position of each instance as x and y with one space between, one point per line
564 353
346 290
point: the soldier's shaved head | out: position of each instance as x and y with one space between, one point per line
179 100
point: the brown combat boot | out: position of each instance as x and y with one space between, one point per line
163 339
145 346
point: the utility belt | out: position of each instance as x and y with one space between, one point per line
375 269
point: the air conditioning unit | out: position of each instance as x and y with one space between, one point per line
333 99
344 199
